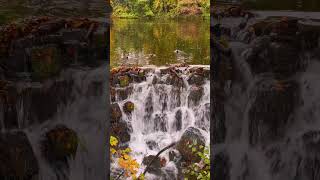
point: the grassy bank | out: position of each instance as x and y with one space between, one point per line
160 8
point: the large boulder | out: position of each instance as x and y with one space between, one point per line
18 160
190 136
59 144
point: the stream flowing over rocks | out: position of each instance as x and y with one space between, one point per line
53 90
153 107
265 101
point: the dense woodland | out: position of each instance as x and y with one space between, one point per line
156 8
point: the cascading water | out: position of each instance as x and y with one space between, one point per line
84 111
162 113
271 113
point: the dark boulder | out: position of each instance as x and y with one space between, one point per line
116 113
121 130
190 136
18 160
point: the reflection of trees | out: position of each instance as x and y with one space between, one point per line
162 38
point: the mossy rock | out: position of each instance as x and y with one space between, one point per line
59 144
190 136
45 62
124 81
128 107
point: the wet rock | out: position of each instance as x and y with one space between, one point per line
44 61
190 136
8 101
124 81
175 80
128 107
124 93
161 122
174 155
178 118
196 79
148 107
155 167
40 103
58 146
116 113
18 160
195 95
152 145
155 80
270 112
113 94
121 130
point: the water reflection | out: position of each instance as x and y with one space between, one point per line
160 42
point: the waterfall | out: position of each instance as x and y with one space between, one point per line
163 112
271 116
81 106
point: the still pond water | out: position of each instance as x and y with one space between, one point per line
160 42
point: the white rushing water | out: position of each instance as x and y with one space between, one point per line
287 156
154 117
86 115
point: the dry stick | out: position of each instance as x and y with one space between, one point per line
164 149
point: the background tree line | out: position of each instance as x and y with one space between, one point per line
151 8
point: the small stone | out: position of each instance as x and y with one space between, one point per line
128 107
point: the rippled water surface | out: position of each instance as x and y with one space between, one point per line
160 42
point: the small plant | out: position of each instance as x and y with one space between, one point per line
126 162
199 170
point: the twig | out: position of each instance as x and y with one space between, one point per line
148 166
120 175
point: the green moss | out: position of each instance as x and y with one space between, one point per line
124 81
45 62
